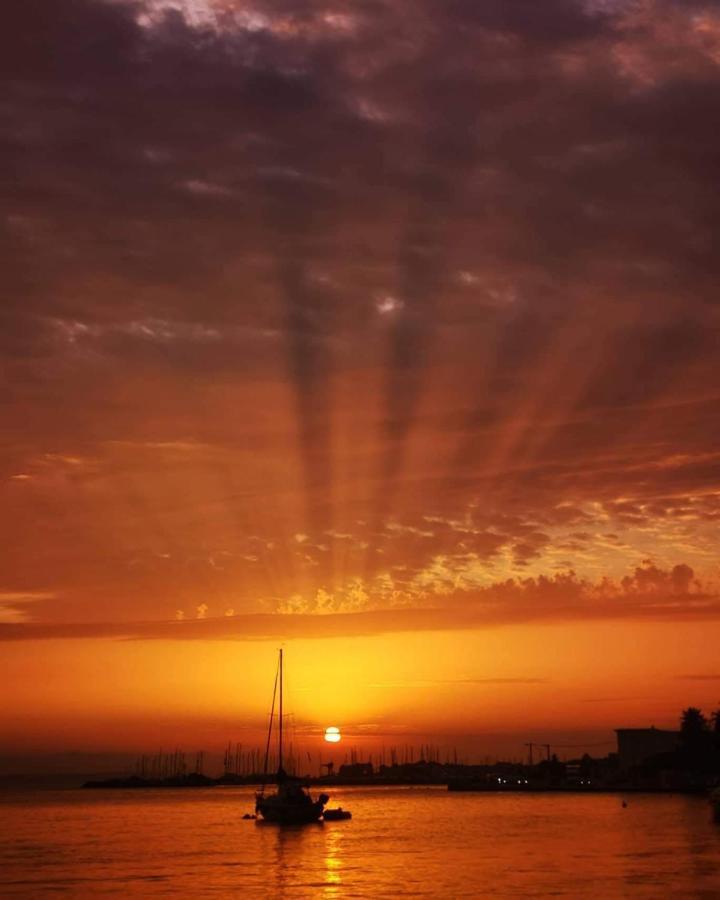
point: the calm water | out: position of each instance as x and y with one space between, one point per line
401 842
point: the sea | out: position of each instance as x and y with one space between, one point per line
400 842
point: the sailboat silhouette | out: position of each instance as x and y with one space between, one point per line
291 804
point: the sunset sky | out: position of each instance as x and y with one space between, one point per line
384 330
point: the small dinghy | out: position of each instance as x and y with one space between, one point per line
335 815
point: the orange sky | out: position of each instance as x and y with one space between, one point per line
391 337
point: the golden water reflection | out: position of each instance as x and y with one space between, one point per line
333 859
400 842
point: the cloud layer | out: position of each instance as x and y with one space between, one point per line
371 310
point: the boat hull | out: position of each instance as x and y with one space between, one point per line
282 813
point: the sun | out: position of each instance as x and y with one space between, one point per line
332 734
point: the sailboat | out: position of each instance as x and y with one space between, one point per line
291 804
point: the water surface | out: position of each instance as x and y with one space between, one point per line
419 842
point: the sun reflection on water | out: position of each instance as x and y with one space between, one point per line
333 861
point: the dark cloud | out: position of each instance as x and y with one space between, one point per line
649 577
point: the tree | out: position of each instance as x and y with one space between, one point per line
693 725
697 741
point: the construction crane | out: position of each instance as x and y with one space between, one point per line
531 744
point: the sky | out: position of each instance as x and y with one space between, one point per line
386 331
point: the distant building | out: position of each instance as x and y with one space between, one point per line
635 745
356 770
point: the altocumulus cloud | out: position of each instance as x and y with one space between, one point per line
563 598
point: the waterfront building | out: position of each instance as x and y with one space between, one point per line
635 745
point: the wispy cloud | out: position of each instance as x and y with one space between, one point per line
431 683
711 676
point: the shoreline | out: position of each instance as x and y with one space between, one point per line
200 782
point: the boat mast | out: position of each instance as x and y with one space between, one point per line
270 727
280 760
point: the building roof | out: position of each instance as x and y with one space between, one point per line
652 729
